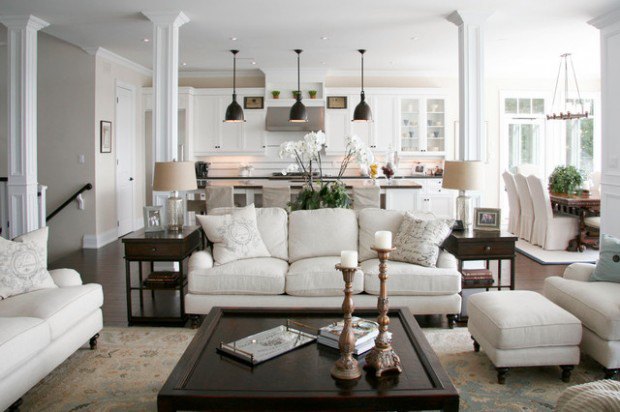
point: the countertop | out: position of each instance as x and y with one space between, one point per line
254 183
294 178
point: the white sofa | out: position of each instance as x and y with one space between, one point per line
305 246
597 306
40 329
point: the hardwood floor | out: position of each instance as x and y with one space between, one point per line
106 266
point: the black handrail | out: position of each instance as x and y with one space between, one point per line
87 186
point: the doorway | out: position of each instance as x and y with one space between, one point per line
125 157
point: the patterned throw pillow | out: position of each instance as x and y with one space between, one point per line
418 240
608 265
23 264
234 236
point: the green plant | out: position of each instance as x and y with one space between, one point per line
275 94
295 93
312 93
329 195
565 179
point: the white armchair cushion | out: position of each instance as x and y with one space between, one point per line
273 227
596 304
62 308
406 279
257 276
66 277
202 259
579 271
21 338
319 277
322 232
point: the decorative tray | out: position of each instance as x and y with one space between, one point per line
262 346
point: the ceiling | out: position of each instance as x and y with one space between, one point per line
524 38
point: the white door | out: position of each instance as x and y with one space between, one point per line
124 159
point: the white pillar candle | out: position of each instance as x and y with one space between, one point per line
348 258
383 239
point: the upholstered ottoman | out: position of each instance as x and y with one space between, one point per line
523 328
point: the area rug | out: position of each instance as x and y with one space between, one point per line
555 257
131 364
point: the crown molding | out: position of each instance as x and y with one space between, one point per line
606 19
165 18
220 73
392 73
24 21
115 58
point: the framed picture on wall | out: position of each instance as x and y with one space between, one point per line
253 102
336 102
105 135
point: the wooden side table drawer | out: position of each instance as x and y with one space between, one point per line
154 250
486 249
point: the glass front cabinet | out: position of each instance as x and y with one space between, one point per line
422 125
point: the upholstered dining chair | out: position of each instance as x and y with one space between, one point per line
526 219
595 177
276 196
365 197
552 232
514 215
219 196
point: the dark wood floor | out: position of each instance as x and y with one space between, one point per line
107 267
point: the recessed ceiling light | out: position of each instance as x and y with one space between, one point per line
324 38
253 62
184 64
414 38
232 38
322 62
146 40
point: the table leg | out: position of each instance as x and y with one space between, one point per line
140 284
181 282
128 289
512 273
499 274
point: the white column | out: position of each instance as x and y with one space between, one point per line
165 82
609 25
22 122
472 129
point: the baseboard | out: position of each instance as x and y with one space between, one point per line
97 241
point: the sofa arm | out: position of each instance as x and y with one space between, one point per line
200 260
66 277
579 271
446 260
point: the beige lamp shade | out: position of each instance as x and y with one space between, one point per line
463 175
174 176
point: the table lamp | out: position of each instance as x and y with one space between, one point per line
174 177
462 176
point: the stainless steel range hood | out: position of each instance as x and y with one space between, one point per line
277 120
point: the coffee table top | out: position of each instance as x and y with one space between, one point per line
300 380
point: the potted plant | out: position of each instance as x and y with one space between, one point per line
318 192
295 93
275 94
565 179
312 94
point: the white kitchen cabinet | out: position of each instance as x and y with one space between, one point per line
431 197
254 131
402 199
206 134
337 123
422 125
385 122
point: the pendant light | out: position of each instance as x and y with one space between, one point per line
362 111
566 114
298 110
234 112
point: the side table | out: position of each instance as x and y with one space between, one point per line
487 246
162 246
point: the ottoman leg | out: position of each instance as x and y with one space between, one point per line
566 370
501 375
611 373
476 345
451 321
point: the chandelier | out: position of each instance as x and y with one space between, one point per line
566 114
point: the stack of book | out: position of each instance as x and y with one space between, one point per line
477 278
162 280
365 332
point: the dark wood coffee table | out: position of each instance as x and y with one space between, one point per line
300 380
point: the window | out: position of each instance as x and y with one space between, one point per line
524 122
580 136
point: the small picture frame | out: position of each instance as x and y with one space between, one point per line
487 219
105 136
253 102
336 102
153 219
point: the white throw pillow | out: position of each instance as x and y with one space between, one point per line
234 236
23 264
418 240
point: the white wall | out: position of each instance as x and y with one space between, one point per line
4 166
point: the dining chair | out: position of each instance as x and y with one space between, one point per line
276 196
551 232
527 169
595 177
526 219
366 197
514 215
219 196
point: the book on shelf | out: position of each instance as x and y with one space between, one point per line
482 277
162 279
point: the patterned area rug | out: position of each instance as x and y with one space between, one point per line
131 364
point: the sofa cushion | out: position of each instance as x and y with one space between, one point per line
322 232
62 308
522 319
273 227
23 264
235 236
20 339
596 304
257 276
319 277
374 220
411 280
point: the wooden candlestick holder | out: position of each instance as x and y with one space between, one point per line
382 358
347 368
